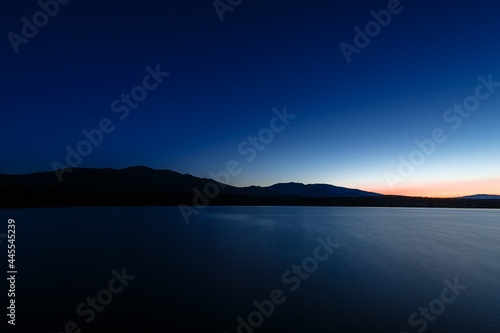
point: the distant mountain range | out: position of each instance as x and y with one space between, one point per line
318 190
144 180
145 186
481 196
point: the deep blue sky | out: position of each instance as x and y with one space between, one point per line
353 120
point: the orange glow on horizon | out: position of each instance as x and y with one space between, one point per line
442 189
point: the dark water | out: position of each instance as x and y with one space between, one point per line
201 277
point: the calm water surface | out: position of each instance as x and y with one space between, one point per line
201 277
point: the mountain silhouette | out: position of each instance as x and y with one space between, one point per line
144 180
319 190
143 186
481 196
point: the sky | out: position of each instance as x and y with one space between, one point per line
291 90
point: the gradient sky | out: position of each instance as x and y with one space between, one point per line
353 120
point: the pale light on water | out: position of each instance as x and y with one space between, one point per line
203 276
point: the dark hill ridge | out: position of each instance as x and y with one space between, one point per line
129 180
481 196
143 180
319 190
142 186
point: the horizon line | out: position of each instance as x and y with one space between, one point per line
263 186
